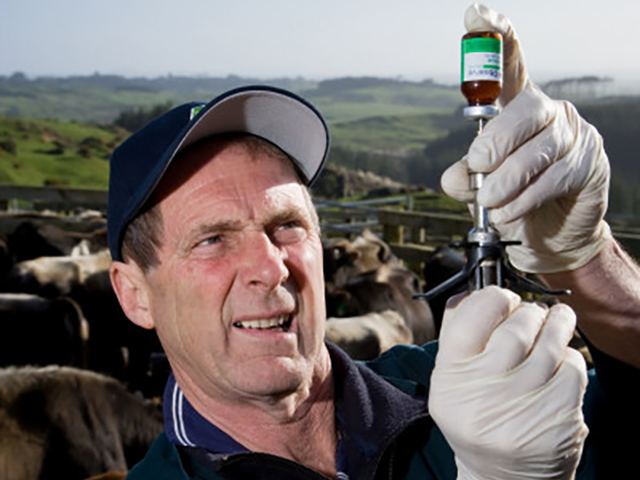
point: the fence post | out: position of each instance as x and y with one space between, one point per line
393 233
417 235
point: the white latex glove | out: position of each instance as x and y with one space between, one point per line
549 174
507 390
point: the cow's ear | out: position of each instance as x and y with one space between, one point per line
131 288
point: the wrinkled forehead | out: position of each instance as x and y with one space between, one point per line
230 186
191 161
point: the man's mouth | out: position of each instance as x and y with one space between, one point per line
281 323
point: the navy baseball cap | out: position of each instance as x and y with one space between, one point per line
276 115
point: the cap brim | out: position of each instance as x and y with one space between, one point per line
289 122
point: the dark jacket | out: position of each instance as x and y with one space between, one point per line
386 432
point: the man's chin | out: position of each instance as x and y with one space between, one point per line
281 377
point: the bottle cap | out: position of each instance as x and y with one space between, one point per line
480 111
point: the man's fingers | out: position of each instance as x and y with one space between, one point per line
551 184
455 182
518 124
550 351
468 325
538 169
513 340
536 173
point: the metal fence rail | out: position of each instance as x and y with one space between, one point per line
54 198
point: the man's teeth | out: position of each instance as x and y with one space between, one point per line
265 323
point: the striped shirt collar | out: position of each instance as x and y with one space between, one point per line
186 427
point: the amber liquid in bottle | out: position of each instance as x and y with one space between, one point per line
482 85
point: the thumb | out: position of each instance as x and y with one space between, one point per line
481 18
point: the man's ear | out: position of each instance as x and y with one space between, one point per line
132 289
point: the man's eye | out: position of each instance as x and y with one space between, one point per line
289 232
211 240
291 224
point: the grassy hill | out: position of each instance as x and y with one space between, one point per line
51 133
52 152
350 99
394 134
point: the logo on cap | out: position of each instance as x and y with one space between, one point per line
195 111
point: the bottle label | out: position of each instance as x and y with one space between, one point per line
481 59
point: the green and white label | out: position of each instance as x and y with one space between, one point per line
481 59
195 111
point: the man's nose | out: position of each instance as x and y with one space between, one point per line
264 264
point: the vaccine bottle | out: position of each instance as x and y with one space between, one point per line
481 73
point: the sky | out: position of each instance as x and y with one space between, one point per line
407 39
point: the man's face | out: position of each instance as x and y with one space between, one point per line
238 297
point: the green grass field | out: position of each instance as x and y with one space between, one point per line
401 100
49 152
393 133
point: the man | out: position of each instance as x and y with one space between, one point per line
216 245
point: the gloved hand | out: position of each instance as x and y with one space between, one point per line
506 390
548 173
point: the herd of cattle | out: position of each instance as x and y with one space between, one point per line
80 384
76 377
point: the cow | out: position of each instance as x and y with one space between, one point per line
116 346
345 259
367 336
364 276
386 288
41 331
53 276
69 423
337 253
33 239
